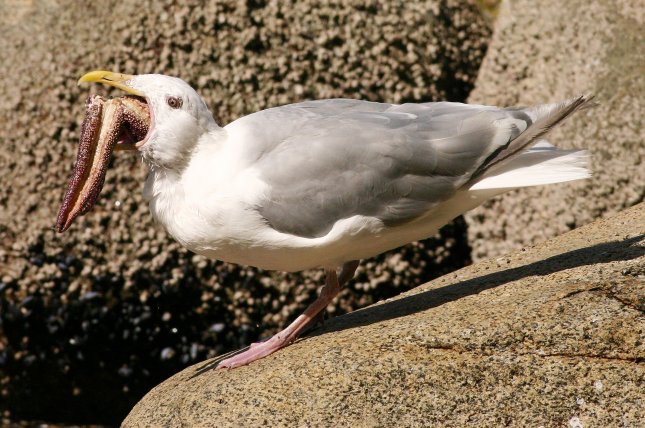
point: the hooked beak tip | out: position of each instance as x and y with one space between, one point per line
118 80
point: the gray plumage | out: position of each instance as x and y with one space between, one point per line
333 159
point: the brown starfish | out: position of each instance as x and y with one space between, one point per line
116 123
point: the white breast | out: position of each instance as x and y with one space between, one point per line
210 208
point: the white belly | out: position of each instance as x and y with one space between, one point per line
224 225
350 239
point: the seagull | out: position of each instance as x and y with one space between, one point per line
324 184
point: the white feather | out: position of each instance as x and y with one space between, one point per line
542 164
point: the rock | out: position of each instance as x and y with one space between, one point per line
116 306
548 51
549 335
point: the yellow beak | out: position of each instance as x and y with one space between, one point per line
118 80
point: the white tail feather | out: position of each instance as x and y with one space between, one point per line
541 164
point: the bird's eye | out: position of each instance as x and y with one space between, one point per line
174 102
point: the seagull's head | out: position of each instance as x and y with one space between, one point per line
178 115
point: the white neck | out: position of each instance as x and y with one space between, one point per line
165 190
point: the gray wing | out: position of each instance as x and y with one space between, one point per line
334 159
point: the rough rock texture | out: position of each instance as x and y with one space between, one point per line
551 335
113 306
548 51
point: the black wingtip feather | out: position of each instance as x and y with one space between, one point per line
538 129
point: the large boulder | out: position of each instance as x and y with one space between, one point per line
550 335
90 320
547 51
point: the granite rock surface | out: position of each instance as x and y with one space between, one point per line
548 51
549 335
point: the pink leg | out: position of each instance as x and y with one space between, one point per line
295 329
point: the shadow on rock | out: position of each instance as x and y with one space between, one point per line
597 254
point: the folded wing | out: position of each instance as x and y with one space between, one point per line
341 158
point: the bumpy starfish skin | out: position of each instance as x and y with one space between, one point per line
136 115
105 123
